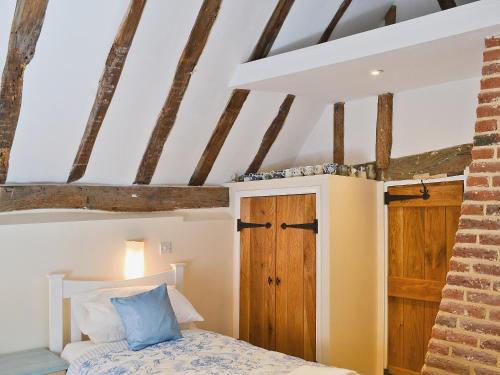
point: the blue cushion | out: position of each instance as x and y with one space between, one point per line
148 318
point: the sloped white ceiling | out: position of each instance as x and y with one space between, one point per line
61 81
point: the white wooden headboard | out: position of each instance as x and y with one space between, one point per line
60 289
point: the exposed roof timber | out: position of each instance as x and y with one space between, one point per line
24 33
187 62
271 134
384 130
338 133
274 129
390 16
107 86
335 20
111 198
447 4
238 97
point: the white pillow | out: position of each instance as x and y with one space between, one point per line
98 319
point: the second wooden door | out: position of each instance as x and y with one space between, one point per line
421 237
277 277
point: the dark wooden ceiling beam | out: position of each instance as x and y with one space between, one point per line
447 4
111 198
187 62
107 85
390 16
238 96
278 122
338 133
24 33
384 131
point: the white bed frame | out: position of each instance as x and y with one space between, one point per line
60 289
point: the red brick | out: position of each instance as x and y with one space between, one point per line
468 282
472 209
484 195
438 348
446 321
489 239
491 83
480 181
486 125
491 55
489 97
451 293
487 224
461 338
487 269
488 110
487 328
485 371
438 333
492 42
477 154
464 252
493 209
496 180
475 356
458 266
495 315
446 364
483 166
462 309
465 238
490 344
496 286
483 298
491 69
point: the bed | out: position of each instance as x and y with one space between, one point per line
197 352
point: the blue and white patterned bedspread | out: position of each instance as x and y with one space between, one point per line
198 352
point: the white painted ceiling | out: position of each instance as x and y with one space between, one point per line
61 81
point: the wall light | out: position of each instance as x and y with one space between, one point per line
376 72
134 259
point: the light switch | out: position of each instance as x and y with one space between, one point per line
166 247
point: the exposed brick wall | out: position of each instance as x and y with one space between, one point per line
466 337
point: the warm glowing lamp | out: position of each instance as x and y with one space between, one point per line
134 259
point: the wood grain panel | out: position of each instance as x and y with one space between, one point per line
413 242
436 261
245 275
295 267
396 241
395 331
418 289
413 334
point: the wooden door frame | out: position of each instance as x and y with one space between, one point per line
320 324
385 274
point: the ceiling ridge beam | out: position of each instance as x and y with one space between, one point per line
278 122
238 96
107 85
24 33
110 198
187 62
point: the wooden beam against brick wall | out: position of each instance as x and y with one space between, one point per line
390 16
24 33
107 86
338 133
278 122
384 131
187 62
238 96
111 198
447 4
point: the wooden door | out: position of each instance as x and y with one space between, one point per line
421 238
278 274
257 273
296 277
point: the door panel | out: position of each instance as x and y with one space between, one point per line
421 237
257 257
296 277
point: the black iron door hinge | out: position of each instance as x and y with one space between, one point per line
312 226
242 225
388 198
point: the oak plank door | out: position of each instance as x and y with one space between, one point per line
421 237
278 275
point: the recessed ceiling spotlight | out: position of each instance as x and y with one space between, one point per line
376 72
